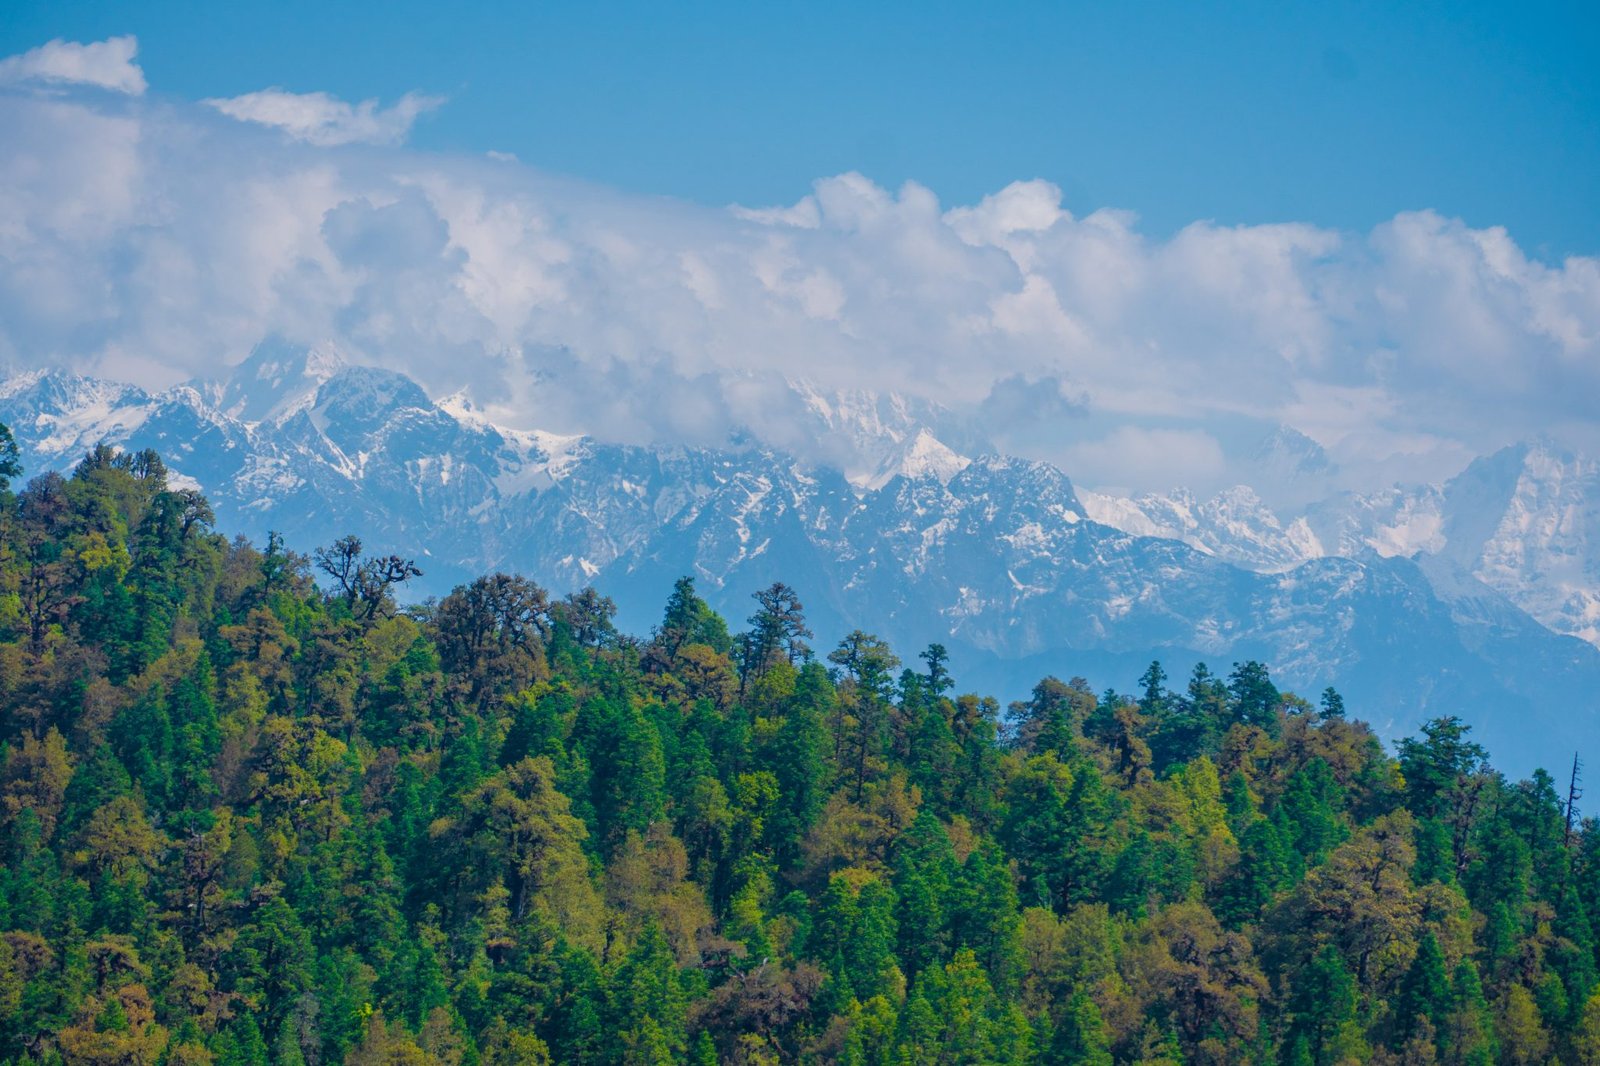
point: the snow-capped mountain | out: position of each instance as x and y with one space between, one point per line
66 414
1235 526
1002 559
1524 521
879 435
275 381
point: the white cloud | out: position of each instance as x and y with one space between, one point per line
156 241
1131 457
805 214
1021 207
1035 311
104 64
321 119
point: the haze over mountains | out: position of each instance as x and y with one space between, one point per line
1479 596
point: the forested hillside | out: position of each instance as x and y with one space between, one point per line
247 819
996 557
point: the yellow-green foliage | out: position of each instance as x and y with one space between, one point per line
244 820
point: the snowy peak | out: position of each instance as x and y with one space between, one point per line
863 415
935 541
1234 526
275 380
1024 486
295 426
1397 521
1529 490
876 436
923 455
64 415
1289 468
1523 522
1290 452
366 397
1526 522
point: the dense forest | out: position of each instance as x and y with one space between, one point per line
252 810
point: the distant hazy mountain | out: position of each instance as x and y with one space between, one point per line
1525 521
999 558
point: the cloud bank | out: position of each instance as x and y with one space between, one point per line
155 240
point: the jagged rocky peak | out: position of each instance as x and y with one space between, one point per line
61 414
1290 451
61 394
953 544
863 414
277 379
367 396
920 455
1234 525
1397 521
877 435
1532 489
460 406
1021 486
1526 522
1288 469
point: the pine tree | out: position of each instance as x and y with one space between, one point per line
1254 697
1424 993
241 1044
1081 1037
1468 1037
1326 1008
647 1007
1523 1038
705 1050
924 867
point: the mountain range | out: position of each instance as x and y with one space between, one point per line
1478 597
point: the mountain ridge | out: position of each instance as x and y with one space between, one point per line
1003 559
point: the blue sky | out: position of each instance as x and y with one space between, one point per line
1132 241
1338 114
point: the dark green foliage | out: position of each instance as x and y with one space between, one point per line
1255 697
10 461
1438 765
1424 997
245 821
690 620
1081 1039
1267 865
1324 1008
1310 806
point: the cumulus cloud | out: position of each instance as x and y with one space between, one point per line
103 64
318 118
159 241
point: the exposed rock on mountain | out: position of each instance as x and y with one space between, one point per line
1000 558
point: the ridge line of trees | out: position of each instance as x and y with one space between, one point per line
246 820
